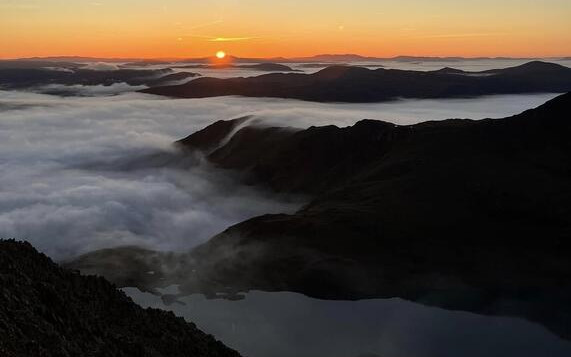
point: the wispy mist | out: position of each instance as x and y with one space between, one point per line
87 91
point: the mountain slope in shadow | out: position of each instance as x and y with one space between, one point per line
356 84
462 214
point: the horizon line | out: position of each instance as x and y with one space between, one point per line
116 58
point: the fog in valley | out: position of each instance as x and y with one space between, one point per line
55 193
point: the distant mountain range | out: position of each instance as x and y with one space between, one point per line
357 84
262 67
338 83
31 77
333 58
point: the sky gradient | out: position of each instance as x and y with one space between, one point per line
261 28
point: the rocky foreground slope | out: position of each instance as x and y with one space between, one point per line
356 84
462 214
49 311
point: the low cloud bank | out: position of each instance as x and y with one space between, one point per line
79 90
101 66
52 195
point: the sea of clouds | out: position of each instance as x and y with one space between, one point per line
55 193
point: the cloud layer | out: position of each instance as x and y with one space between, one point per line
53 195
101 66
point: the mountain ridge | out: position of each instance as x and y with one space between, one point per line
361 85
461 214
318 57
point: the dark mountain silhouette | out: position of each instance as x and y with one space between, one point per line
49 311
358 58
335 58
80 59
537 68
234 59
12 64
338 58
269 67
462 214
21 78
429 58
449 70
324 65
145 63
263 67
169 78
331 58
356 84
193 66
321 65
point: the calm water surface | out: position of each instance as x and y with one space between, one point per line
292 325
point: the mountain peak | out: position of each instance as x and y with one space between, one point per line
536 66
333 72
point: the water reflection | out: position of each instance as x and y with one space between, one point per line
291 325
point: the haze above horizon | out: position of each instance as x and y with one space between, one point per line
255 28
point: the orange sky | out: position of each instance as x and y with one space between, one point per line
256 28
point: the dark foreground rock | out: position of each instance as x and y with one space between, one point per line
49 311
356 84
462 214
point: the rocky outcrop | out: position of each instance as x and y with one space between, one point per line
49 311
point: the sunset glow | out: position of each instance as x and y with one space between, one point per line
220 54
256 28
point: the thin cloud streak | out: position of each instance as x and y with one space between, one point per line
463 35
224 39
232 39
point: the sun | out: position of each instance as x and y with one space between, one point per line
220 54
